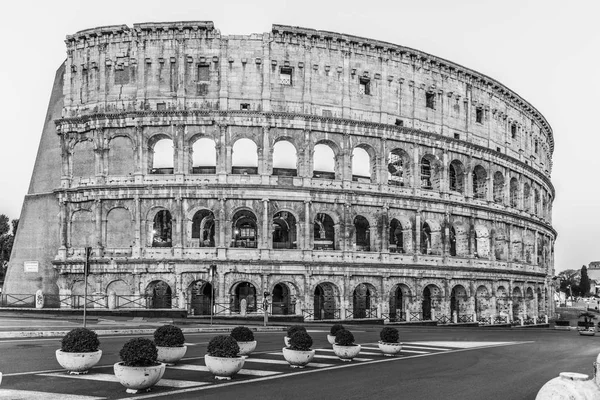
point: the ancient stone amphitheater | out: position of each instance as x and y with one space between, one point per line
345 177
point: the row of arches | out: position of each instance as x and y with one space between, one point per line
364 300
427 172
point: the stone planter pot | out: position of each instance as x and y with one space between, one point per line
390 349
246 347
224 367
346 353
331 339
170 355
286 340
78 363
138 378
298 358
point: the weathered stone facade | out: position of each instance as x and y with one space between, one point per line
452 219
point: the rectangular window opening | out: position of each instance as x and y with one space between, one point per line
285 76
430 100
399 122
364 86
161 106
244 106
457 136
513 131
122 76
203 73
479 115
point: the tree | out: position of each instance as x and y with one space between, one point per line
6 242
584 285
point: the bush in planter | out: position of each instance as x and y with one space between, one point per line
139 352
564 322
242 334
169 336
223 346
301 341
80 340
295 328
335 328
344 338
389 335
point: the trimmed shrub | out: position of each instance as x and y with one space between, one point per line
80 340
335 328
344 338
169 336
389 335
223 346
301 340
242 334
562 322
139 352
293 329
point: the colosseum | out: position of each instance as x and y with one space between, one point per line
335 176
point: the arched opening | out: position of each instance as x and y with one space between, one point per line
325 301
527 197
244 229
517 306
399 300
244 159
161 229
426 182
281 304
361 165
284 230
398 168
284 159
204 156
514 192
162 157
120 157
426 239
482 242
83 160
83 231
159 294
362 239
498 188
361 302
426 304
458 303
396 237
323 162
119 229
200 295
244 291
541 305
324 232
479 183
529 303
536 202
456 176
482 303
203 229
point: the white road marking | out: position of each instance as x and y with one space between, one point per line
32 395
282 362
203 368
364 353
462 345
327 357
415 351
409 346
175 383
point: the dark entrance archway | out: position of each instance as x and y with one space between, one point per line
324 301
244 290
200 294
361 301
426 304
457 298
397 303
281 300
159 294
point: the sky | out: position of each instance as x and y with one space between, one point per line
546 51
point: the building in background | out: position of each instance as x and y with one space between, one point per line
344 176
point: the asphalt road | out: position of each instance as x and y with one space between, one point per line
461 366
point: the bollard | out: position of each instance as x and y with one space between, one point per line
572 386
39 299
0 378
112 300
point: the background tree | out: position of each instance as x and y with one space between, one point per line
584 285
7 238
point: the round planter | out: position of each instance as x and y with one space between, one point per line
78 363
331 339
298 358
346 353
224 367
170 355
390 349
138 378
286 340
246 347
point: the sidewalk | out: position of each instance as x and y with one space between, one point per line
16 325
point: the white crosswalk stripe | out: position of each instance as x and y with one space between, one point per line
204 368
363 353
174 383
33 395
328 357
283 362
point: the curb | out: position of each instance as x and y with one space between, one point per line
110 332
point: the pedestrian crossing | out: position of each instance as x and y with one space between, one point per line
101 384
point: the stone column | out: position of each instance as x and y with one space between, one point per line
265 225
385 237
224 226
98 225
180 225
264 158
418 233
63 216
383 169
534 258
307 245
137 227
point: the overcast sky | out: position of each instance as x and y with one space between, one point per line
546 51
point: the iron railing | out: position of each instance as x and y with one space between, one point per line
17 300
362 313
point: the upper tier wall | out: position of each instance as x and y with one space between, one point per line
190 65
